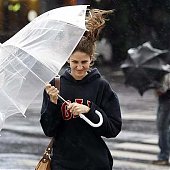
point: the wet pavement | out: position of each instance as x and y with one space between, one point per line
22 141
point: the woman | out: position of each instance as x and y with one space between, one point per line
77 145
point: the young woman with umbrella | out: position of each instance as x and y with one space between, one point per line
77 145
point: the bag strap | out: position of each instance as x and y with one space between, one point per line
57 82
48 150
49 147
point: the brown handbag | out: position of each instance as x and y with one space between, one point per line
45 161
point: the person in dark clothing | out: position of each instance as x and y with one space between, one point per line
163 121
77 145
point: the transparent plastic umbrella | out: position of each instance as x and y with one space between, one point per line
35 55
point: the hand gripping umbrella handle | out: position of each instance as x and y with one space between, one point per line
91 123
85 118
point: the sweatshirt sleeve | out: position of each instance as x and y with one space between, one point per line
110 110
50 116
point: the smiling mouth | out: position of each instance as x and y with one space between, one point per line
79 71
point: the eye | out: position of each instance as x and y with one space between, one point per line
84 62
74 61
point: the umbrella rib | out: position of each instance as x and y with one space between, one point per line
12 101
150 67
26 66
5 61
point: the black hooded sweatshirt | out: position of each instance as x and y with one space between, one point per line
78 145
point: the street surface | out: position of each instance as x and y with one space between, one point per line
22 141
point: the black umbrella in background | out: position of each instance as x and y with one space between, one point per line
145 66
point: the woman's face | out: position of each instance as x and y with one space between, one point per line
79 64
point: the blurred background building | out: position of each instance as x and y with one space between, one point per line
133 23
15 14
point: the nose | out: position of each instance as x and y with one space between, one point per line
79 66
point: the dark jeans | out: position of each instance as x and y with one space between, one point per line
163 125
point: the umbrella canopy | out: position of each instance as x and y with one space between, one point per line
144 67
35 55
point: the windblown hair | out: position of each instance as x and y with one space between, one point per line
95 22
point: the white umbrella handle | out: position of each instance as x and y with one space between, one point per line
85 118
91 123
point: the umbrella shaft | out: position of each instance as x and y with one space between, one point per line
63 99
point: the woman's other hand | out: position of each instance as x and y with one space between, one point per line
76 108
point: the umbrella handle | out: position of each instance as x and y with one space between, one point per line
85 118
91 123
